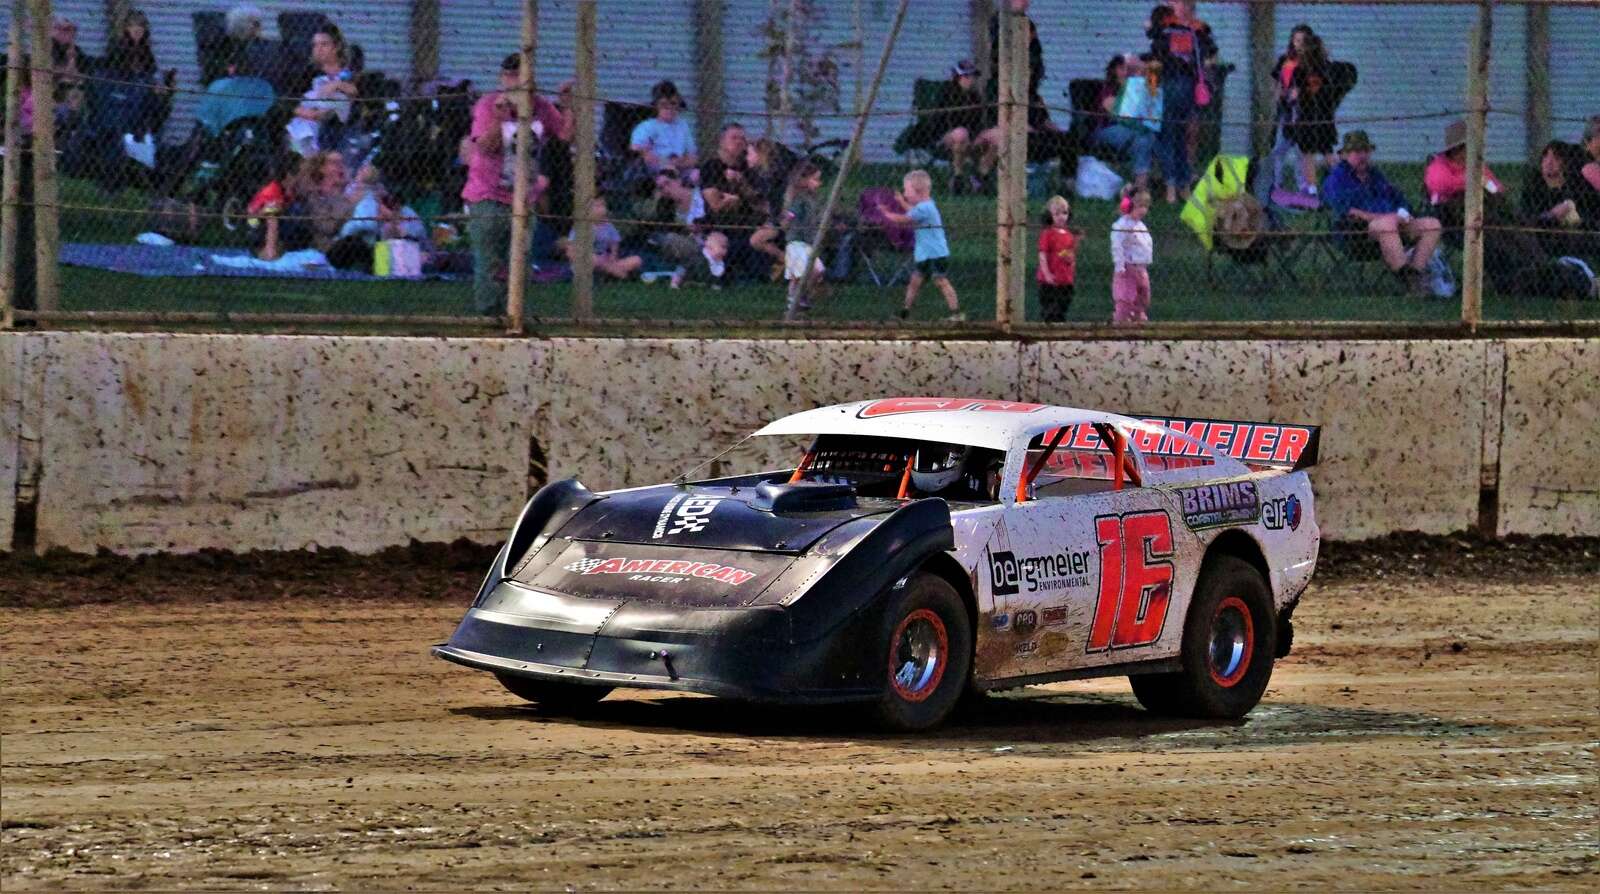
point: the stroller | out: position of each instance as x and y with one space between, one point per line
232 149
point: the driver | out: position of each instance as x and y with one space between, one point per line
955 471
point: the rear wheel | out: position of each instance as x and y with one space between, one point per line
1228 647
928 649
556 696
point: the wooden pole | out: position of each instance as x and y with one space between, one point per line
12 188
853 150
1537 49
978 13
583 167
710 88
1002 230
46 209
424 35
1263 92
1022 97
1477 126
522 186
858 54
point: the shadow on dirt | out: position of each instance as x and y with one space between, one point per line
1086 721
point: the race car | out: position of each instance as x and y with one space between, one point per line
906 552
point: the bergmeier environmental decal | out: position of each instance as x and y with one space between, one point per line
1052 571
1211 505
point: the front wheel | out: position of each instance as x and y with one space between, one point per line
928 654
1229 641
553 695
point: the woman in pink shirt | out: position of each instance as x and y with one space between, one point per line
1445 179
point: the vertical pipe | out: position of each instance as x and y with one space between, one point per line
12 189
1263 92
521 189
1016 180
853 150
583 167
860 53
1477 125
710 77
424 36
1002 229
1538 79
46 208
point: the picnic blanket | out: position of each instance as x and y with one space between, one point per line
189 260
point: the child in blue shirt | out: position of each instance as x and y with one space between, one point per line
931 251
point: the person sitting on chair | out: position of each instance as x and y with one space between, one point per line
1363 200
959 123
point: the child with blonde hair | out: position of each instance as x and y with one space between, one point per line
932 251
1058 261
1132 251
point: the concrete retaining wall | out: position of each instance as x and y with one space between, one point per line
181 442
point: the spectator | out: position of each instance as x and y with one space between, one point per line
608 257
1591 143
1315 101
323 200
1362 200
764 170
959 124
1135 130
801 217
378 213
665 141
1558 199
130 58
326 106
1044 138
491 175
1184 46
932 250
709 267
1132 253
735 203
555 166
1283 80
246 54
1105 103
1058 261
69 65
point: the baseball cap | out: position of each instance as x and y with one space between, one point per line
964 68
512 62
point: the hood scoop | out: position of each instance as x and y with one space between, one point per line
803 496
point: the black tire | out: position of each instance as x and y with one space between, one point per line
927 654
1232 604
556 696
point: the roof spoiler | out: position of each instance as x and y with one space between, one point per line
1266 445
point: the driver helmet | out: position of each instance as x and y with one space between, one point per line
938 466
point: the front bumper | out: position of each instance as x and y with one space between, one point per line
745 653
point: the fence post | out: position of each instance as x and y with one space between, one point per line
710 92
11 189
424 36
517 263
1012 191
850 152
583 167
1263 92
46 208
1537 50
1477 126
1002 207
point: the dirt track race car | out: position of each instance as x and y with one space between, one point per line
903 552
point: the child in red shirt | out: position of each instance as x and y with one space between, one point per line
1058 261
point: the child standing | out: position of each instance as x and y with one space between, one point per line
1058 261
932 251
800 218
1132 251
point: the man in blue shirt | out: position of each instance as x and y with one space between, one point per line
1361 198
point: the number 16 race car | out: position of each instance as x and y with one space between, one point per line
902 552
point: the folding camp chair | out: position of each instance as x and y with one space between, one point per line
876 235
919 142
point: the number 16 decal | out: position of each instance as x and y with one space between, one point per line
1135 580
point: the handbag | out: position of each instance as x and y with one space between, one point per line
1202 92
397 257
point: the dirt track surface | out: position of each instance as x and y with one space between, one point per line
1424 734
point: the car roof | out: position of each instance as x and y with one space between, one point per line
979 422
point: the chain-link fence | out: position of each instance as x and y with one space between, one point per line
489 162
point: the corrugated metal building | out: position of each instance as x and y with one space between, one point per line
1412 59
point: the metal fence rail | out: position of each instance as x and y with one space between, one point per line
282 178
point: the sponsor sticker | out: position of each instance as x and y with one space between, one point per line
1027 647
1281 512
1053 571
896 405
1025 621
662 570
1212 505
1054 616
684 514
1001 621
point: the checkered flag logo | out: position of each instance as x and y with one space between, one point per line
584 566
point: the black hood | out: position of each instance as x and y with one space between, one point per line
717 517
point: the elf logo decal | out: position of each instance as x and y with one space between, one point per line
1281 512
688 515
1211 505
726 574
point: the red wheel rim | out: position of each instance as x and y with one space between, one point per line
917 654
1233 642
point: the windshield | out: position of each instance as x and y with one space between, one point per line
901 468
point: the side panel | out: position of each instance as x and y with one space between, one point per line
1288 534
